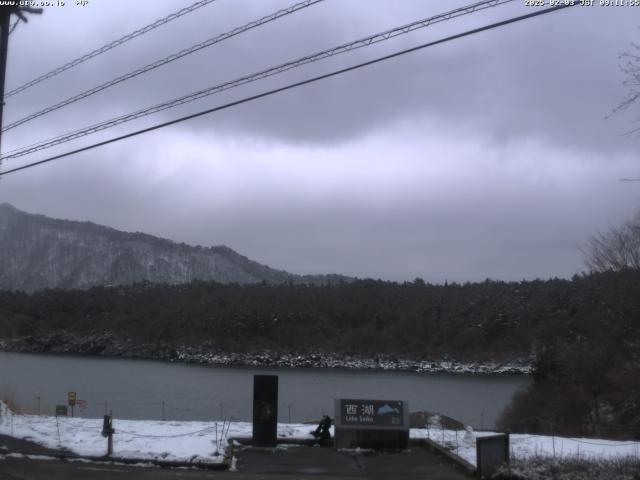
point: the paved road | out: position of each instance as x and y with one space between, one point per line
295 462
301 463
316 463
11 444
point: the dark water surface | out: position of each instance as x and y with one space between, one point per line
139 388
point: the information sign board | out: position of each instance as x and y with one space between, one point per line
61 411
368 423
372 413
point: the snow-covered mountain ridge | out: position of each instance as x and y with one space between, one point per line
38 252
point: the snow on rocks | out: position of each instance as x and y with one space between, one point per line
108 345
327 360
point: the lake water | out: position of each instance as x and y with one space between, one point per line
141 389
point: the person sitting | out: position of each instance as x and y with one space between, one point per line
323 431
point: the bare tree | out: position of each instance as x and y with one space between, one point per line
616 249
630 66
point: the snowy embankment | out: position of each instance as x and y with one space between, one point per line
206 442
109 346
169 441
524 446
325 360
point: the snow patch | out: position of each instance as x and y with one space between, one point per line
524 446
198 442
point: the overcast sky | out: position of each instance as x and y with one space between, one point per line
488 156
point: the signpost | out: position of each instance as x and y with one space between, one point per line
62 411
71 399
371 424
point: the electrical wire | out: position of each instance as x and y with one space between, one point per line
614 443
133 434
164 61
293 85
600 444
108 46
363 42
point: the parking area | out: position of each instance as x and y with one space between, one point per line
322 462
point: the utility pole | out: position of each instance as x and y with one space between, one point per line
5 25
5 22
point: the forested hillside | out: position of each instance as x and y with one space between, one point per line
584 332
470 321
38 252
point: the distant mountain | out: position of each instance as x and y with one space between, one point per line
38 252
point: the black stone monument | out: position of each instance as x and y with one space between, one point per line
265 409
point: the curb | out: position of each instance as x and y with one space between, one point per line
224 465
63 457
440 450
310 442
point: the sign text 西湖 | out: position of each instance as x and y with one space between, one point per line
379 413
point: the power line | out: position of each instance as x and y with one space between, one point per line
163 61
363 42
109 46
601 444
9 8
137 435
293 85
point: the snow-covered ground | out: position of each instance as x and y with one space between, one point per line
202 442
198 442
526 446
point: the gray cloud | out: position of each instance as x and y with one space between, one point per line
485 157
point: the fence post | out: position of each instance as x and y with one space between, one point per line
456 440
57 428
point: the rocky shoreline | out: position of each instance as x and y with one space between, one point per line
108 345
